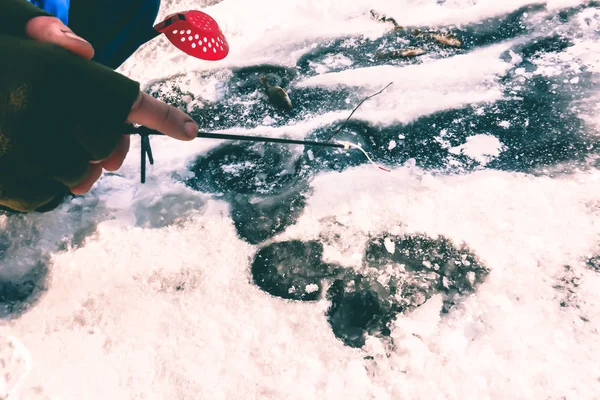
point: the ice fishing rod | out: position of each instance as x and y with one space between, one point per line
146 149
143 131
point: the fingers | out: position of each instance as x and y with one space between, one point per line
114 161
151 113
93 174
164 118
52 30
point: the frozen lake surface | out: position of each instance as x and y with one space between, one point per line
252 271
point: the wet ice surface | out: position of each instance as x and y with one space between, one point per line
270 271
398 275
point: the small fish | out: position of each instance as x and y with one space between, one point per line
447 40
413 52
405 53
277 95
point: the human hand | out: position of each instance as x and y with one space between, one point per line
146 110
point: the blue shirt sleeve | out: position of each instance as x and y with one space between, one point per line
58 8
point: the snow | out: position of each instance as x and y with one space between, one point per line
454 82
481 148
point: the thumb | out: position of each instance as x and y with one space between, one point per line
52 30
155 114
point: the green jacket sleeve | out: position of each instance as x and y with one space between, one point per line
14 15
58 111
